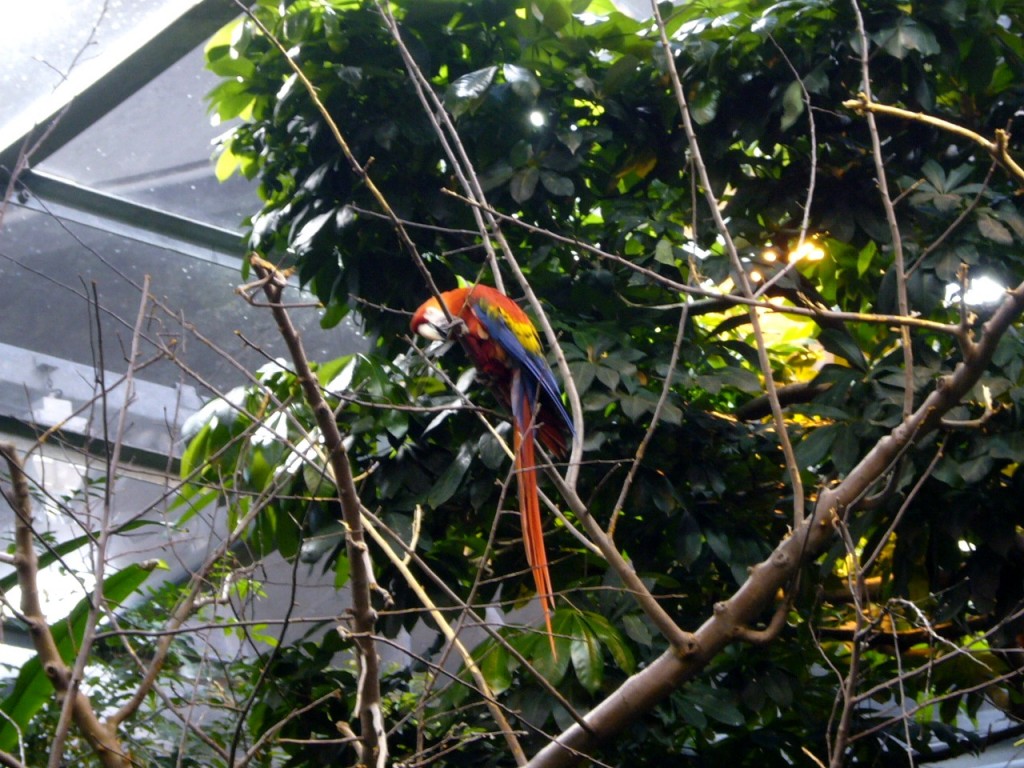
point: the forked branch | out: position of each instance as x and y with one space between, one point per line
373 745
99 735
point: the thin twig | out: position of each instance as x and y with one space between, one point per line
902 300
741 279
641 449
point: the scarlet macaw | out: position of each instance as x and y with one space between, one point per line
505 348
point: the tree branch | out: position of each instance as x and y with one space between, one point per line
373 748
902 300
998 149
101 737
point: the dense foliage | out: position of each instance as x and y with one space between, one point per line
567 113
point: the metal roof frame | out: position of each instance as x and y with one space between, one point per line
50 132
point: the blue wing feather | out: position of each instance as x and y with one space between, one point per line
532 364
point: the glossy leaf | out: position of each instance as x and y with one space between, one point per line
466 91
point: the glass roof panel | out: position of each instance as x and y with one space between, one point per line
55 48
156 149
50 267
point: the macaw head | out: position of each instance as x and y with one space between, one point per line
431 322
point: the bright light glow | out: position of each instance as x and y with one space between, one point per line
537 119
981 291
807 251
15 657
756 276
770 256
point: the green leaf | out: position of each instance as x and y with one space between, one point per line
994 230
865 256
1012 218
227 163
608 376
466 92
730 376
537 648
839 342
196 451
778 687
494 662
524 83
342 569
612 640
814 448
634 407
449 482
792 105
935 175
846 450
1009 446
496 175
585 652
663 253
557 184
637 630
311 229
717 704
221 61
704 106
583 372
907 35
523 184
491 452
619 74
553 14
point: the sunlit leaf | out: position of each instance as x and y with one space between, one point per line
467 90
792 105
523 81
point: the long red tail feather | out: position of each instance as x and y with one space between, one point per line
529 508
